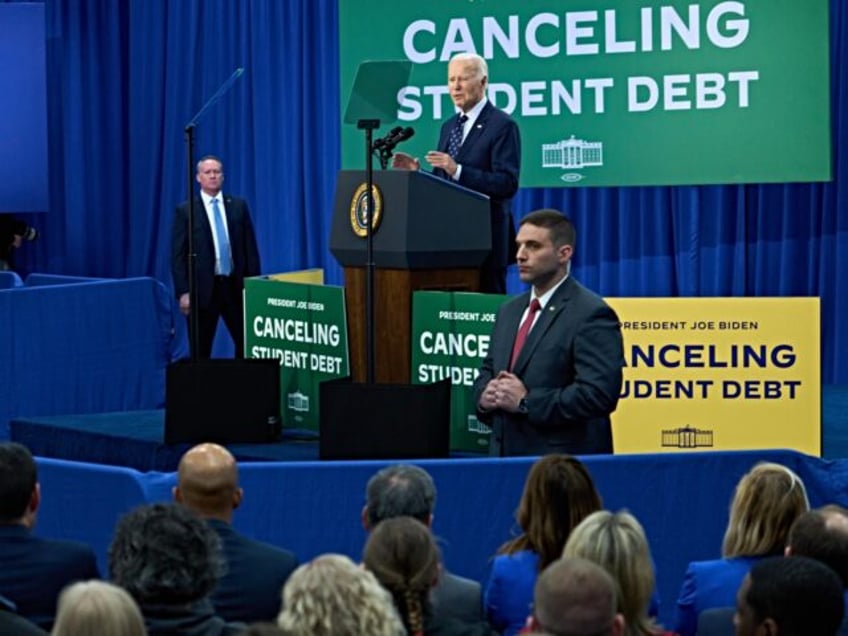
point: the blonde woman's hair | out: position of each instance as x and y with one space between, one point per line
93 608
768 500
618 544
332 596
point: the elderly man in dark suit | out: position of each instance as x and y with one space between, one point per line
553 372
225 245
256 572
34 570
480 149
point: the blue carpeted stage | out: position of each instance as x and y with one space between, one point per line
134 439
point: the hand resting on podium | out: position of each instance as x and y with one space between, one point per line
403 161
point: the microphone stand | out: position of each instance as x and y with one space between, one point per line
193 319
193 315
369 126
384 154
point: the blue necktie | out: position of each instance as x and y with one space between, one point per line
455 139
224 257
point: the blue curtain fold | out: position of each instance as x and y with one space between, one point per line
124 78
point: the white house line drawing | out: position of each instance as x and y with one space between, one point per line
573 153
298 401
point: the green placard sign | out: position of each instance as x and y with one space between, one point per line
450 338
617 92
305 328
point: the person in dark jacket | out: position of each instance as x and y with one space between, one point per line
34 570
169 561
403 555
256 572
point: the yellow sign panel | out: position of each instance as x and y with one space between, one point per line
719 374
308 276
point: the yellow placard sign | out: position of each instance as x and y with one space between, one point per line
719 374
308 276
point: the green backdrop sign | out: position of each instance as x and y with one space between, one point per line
305 328
617 92
450 338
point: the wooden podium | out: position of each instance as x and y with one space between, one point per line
431 235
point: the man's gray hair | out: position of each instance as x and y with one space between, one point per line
478 61
400 490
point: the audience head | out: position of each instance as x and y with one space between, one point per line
789 597
164 554
19 493
558 495
92 608
822 535
399 490
575 597
207 482
332 596
618 544
402 554
768 500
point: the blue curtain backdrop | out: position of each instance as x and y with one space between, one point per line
125 77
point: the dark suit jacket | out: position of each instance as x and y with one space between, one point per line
717 621
455 597
571 364
34 571
196 619
490 158
13 625
251 589
242 244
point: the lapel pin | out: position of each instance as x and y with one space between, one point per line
552 308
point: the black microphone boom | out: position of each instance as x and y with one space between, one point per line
380 143
384 146
401 135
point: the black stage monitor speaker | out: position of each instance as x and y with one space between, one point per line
384 421
222 401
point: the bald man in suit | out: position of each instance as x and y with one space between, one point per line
207 484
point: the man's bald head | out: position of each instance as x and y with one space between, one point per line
822 535
576 597
207 481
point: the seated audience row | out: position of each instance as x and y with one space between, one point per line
180 568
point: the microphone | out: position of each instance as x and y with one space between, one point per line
380 143
394 138
217 96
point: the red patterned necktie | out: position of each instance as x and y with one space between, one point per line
521 338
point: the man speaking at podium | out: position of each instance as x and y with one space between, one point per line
480 149
553 372
225 244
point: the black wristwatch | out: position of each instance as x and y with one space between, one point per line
522 406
